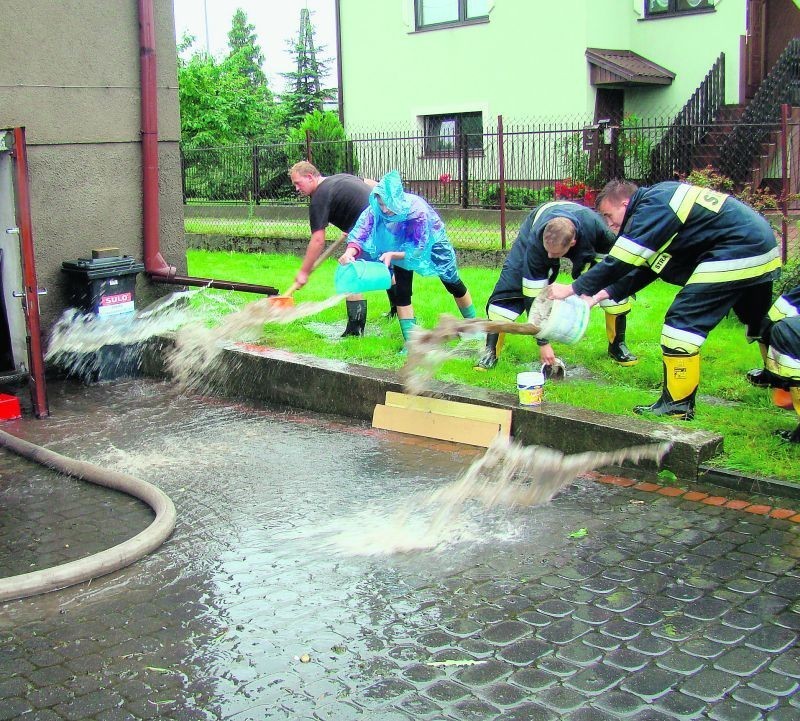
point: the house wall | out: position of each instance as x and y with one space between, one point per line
69 73
527 62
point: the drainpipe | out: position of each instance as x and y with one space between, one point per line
155 266
339 90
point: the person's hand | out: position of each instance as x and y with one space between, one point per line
547 354
590 300
558 291
347 257
389 256
301 278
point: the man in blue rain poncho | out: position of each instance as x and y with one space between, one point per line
401 230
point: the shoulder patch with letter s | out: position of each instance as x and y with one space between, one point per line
711 200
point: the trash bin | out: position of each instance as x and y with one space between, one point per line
104 284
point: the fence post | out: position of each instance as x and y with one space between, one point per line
464 169
309 156
784 181
183 174
256 179
501 165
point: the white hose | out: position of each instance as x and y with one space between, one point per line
112 559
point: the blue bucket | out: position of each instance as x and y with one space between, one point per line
361 276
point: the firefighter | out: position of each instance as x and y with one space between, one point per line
555 230
722 253
783 365
786 306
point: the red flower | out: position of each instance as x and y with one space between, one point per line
445 178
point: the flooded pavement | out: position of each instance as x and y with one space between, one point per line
282 592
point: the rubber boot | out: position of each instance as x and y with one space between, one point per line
615 331
488 360
763 378
407 326
392 303
356 317
792 436
681 378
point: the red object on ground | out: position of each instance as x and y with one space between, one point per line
782 398
9 407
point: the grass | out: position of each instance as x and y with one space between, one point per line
727 404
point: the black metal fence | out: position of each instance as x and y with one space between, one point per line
484 184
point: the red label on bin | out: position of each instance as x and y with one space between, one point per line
116 299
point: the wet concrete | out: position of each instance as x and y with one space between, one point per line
254 609
351 390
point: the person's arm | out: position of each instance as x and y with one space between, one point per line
392 255
315 247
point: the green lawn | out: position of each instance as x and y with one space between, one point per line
728 405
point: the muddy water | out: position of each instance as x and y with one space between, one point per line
286 545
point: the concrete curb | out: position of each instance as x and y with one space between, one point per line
315 384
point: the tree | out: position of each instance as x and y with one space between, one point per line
220 106
304 92
330 150
242 39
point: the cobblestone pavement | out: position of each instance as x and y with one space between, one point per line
260 605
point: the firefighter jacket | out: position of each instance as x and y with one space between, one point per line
689 236
527 269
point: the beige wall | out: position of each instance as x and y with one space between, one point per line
69 73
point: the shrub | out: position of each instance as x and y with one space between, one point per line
330 150
516 197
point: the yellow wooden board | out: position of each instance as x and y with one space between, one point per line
435 425
487 414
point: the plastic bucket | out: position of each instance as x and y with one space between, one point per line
361 276
530 386
567 321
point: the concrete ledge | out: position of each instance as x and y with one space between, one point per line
315 384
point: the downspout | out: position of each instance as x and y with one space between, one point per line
155 266
339 93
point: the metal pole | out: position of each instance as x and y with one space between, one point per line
501 162
30 283
784 200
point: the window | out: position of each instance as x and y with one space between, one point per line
661 8
444 134
449 12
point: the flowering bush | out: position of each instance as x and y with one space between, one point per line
577 191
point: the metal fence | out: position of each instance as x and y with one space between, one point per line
484 184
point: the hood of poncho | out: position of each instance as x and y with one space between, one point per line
390 190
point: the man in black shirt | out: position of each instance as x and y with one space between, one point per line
338 199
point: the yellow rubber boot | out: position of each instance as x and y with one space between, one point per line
681 378
793 436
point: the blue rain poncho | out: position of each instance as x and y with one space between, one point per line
413 228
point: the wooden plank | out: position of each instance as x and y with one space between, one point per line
471 411
435 425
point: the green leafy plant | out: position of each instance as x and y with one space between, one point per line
634 147
577 163
516 197
330 150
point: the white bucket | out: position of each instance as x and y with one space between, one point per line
530 386
567 321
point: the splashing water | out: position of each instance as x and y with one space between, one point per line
427 350
198 348
508 475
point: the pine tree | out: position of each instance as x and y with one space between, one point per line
304 93
242 39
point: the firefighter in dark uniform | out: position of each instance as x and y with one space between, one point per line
722 253
560 229
786 306
783 364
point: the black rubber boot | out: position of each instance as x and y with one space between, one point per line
488 359
790 436
762 378
392 303
615 328
356 317
681 378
